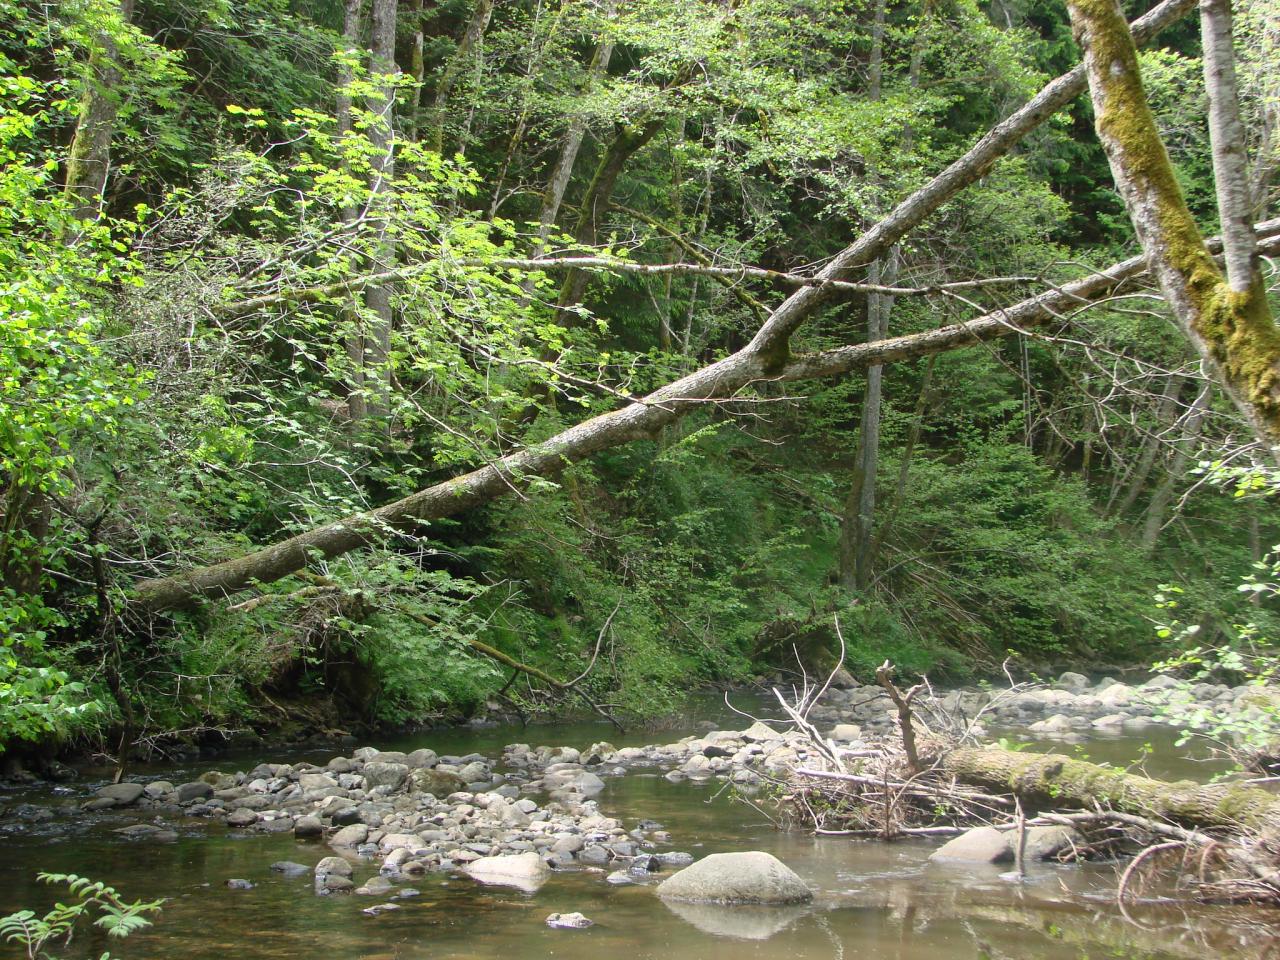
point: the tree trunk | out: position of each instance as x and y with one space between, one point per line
628 141
558 182
382 137
89 160
417 70
1227 320
1053 780
357 406
1153 523
471 37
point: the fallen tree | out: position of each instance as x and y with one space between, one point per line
766 357
1055 780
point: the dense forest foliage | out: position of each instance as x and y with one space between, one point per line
270 264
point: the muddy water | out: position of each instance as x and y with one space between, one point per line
873 900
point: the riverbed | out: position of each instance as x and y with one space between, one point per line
871 899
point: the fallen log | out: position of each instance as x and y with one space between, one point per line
1057 781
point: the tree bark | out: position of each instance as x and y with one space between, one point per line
627 142
1185 445
471 37
1054 780
1228 323
382 137
643 418
89 160
357 407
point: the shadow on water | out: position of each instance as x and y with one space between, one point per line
872 900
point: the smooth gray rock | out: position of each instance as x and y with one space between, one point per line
748 877
123 794
979 845
195 790
1045 843
525 871
307 827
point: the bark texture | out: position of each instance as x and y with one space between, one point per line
1055 780
1231 329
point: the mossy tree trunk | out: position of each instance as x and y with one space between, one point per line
1053 780
1226 319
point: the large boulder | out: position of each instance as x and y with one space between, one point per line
380 774
979 845
748 877
1046 843
436 782
525 871
123 794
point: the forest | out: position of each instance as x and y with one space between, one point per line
369 365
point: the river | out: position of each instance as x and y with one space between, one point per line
873 900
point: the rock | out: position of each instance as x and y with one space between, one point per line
242 818
305 828
157 789
979 845
196 790
749 877
333 867
436 782
846 732
569 921
333 884
289 868
526 871
379 908
351 836
380 774
674 858
1075 682
760 732
375 887
239 884
1046 843
123 794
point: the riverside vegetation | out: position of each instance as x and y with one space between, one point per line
374 365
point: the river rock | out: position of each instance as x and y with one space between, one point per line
382 774
374 887
436 782
289 868
351 836
195 790
979 845
124 794
1045 843
309 827
846 732
1075 682
569 921
526 871
242 818
748 877
157 789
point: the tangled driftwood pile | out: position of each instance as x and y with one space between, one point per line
1218 841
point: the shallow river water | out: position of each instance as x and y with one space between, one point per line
872 900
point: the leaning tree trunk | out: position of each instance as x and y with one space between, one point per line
471 37
767 355
1227 319
1184 446
1053 780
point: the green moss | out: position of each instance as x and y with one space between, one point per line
1236 328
